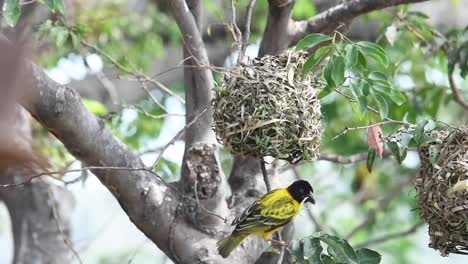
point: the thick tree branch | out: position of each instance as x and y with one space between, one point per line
198 80
201 174
276 37
339 15
150 203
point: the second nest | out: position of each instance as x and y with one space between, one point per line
266 108
442 187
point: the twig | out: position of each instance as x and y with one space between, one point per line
343 159
139 75
372 214
281 255
151 96
246 33
347 129
373 110
456 91
163 149
55 216
235 31
265 175
49 173
387 237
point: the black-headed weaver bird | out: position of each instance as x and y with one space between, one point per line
267 214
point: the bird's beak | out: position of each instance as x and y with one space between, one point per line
310 198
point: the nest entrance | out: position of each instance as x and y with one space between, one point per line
266 108
444 207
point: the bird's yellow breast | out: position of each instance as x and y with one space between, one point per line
280 205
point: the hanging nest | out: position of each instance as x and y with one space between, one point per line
442 194
265 108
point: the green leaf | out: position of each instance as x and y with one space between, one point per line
365 88
325 91
327 260
362 103
313 250
362 62
371 153
54 5
383 106
378 76
50 4
351 55
75 39
328 73
367 256
311 40
313 60
398 152
419 131
340 248
11 12
391 34
397 97
62 36
94 107
417 14
338 71
404 139
374 51
59 5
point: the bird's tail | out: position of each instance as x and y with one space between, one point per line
227 245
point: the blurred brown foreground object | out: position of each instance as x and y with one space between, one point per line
16 147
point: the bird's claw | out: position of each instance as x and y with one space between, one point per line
278 242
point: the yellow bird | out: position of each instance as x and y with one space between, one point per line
267 214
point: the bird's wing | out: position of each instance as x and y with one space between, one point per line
272 210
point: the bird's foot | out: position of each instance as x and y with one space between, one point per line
278 242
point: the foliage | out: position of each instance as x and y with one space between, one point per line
309 250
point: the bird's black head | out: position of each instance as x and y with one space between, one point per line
301 190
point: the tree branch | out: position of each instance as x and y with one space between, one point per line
198 79
456 91
390 236
339 15
276 37
149 202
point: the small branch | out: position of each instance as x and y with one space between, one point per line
344 159
373 110
246 34
388 237
265 175
372 214
456 91
393 122
177 136
137 74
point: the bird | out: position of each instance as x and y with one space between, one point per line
267 214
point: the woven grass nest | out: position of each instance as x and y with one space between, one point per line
443 204
265 108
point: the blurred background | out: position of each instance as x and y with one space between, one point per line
142 35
